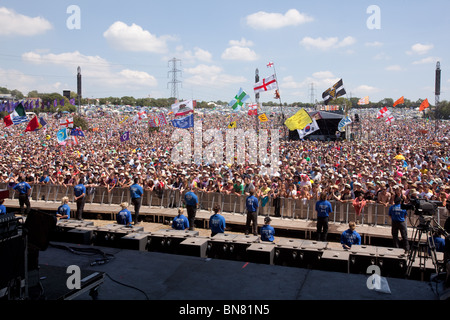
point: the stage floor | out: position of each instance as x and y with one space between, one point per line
143 275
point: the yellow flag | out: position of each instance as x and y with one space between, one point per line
298 121
263 118
232 125
123 120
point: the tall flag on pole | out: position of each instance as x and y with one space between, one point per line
184 123
263 118
16 117
299 120
363 101
266 84
424 105
162 119
270 65
239 100
232 125
68 123
334 92
389 119
32 125
61 135
399 101
139 116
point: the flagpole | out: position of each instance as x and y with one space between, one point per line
279 98
257 100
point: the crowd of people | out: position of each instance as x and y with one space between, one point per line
392 165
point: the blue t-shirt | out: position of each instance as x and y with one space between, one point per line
64 210
124 217
397 213
323 208
79 189
191 198
22 187
180 222
439 244
349 237
251 203
2 209
217 223
44 179
267 233
136 191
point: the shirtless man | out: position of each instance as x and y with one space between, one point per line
384 197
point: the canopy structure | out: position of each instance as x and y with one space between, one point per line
328 123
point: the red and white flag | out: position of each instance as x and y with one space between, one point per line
390 119
140 116
253 109
270 65
68 123
266 84
383 112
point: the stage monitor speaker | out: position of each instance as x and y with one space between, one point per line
39 226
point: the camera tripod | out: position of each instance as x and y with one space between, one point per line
425 249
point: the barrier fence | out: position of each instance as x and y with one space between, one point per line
372 214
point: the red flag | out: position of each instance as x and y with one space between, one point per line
33 124
7 120
424 105
399 101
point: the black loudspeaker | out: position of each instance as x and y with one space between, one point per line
438 80
39 225
66 93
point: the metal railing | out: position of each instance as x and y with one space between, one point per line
372 214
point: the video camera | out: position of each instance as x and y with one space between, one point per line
423 207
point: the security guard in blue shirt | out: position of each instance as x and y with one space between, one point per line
136 192
350 236
124 215
267 231
398 217
63 211
217 222
80 197
180 222
24 191
251 204
191 201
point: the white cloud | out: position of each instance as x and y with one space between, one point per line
204 75
326 43
395 67
134 38
321 80
374 44
12 23
265 20
364 90
420 49
94 69
426 60
240 50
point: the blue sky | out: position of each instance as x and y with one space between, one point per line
124 47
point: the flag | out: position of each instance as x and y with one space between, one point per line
68 123
77 132
383 112
334 92
153 122
363 101
72 101
184 123
16 117
124 119
310 128
183 108
299 120
345 121
232 125
32 125
253 109
277 94
424 105
263 118
162 119
399 101
239 100
61 135
266 84
270 65
125 136
139 116
389 119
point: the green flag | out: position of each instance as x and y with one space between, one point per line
239 100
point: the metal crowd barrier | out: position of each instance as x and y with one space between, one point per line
372 214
